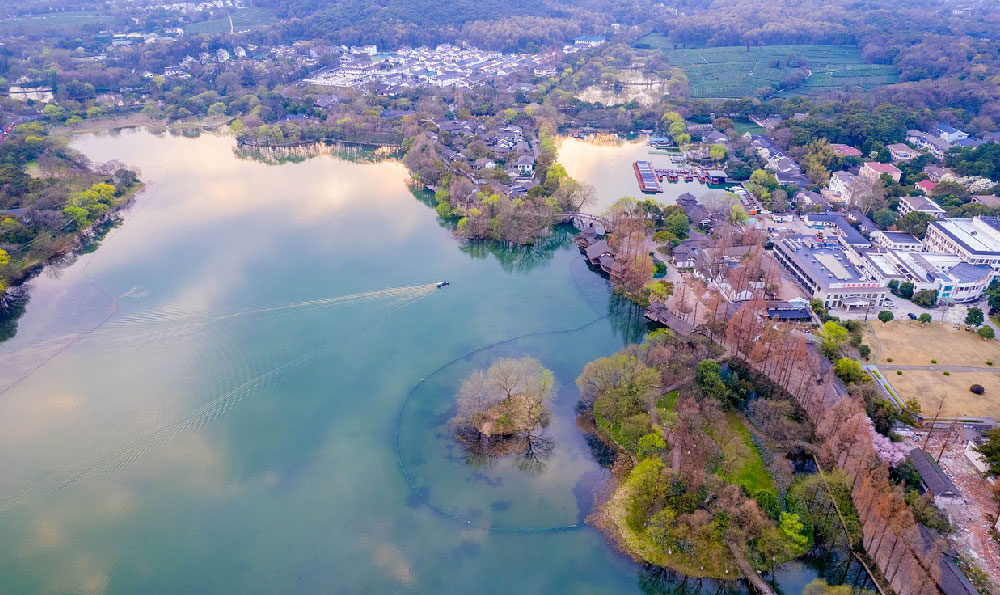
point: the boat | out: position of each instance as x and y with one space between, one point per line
441 284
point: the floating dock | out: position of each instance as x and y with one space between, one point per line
647 178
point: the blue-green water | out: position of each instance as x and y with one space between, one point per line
245 389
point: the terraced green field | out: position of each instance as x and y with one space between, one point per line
243 19
738 71
55 23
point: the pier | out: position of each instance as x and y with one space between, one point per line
650 178
647 177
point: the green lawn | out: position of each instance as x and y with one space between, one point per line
743 464
244 19
744 126
665 405
738 71
61 22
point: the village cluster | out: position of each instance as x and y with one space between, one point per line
446 65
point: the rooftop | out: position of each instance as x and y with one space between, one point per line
900 237
922 203
882 168
826 265
979 235
933 477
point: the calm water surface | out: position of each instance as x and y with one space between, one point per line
245 390
608 168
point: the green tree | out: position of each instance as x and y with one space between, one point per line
906 290
717 152
926 298
677 223
885 316
832 336
974 316
924 318
986 332
884 218
650 445
849 370
864 351
792 527
738 215
4 259
914 223
990 449
79 215
708 376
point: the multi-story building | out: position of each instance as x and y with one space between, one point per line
953 279
896 240
873 170
902 152
920 204
975 240
825 269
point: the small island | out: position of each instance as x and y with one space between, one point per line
500 408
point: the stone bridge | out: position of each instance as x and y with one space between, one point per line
581 220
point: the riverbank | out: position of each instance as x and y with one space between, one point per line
73 242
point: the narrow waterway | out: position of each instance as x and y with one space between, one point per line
246 388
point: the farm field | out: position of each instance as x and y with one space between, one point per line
738 71
61 22
962 353
243 19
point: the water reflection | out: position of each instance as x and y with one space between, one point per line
608 168
522 259
298 154
12 306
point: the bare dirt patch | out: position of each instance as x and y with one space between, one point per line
930 387
909 343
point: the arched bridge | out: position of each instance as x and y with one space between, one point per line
581 220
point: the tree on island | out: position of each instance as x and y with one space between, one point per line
498 408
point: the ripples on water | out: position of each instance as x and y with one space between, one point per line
157 327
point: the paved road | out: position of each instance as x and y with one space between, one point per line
940 368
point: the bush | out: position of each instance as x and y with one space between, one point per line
989 363
864 351
848 370
946 373
933 361
888 359
977 389
651 444
986 332
899 372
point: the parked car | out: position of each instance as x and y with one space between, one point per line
912 316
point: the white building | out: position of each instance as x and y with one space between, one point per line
976 240
896 240
921 204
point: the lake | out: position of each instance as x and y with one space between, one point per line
607 166
245 389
